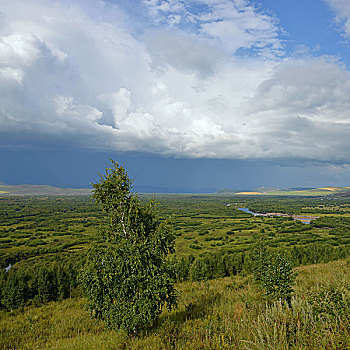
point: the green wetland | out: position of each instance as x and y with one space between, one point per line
43 241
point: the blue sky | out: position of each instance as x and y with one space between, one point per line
190 95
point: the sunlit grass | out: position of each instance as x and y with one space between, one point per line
226 313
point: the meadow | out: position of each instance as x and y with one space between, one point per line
225 313
44 239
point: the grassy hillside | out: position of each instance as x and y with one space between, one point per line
41 190
322 191
226 313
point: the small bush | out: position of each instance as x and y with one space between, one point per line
328 299
195 246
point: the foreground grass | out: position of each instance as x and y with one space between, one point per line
220 314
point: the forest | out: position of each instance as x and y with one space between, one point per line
43 242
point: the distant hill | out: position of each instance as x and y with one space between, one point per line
154 189
40 190
322 191
45 190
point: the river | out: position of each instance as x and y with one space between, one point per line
303 218
246 210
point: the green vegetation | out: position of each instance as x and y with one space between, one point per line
38 284
37 230
274 272
220 305
128 279
225 313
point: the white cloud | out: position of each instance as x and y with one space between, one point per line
342 11
18 50
233 24
82 73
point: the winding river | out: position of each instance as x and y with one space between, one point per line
306 219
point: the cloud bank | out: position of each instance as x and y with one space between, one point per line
197 79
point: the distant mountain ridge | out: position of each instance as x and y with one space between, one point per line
41 190
46 190
154 189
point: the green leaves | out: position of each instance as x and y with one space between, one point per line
278 278
273 271
128 279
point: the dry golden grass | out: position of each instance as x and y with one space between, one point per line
329 188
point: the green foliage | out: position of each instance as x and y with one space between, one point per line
128 279
38 228
328 299
278 278
38 284
34 231
182 267
15 292
207 267
234 315
273 271
259 258
195 246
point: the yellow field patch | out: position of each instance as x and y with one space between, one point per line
328 188
1 192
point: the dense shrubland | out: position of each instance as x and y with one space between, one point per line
55 281
38 284
46 239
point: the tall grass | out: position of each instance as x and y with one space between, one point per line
226 313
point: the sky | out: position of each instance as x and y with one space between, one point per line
192 96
